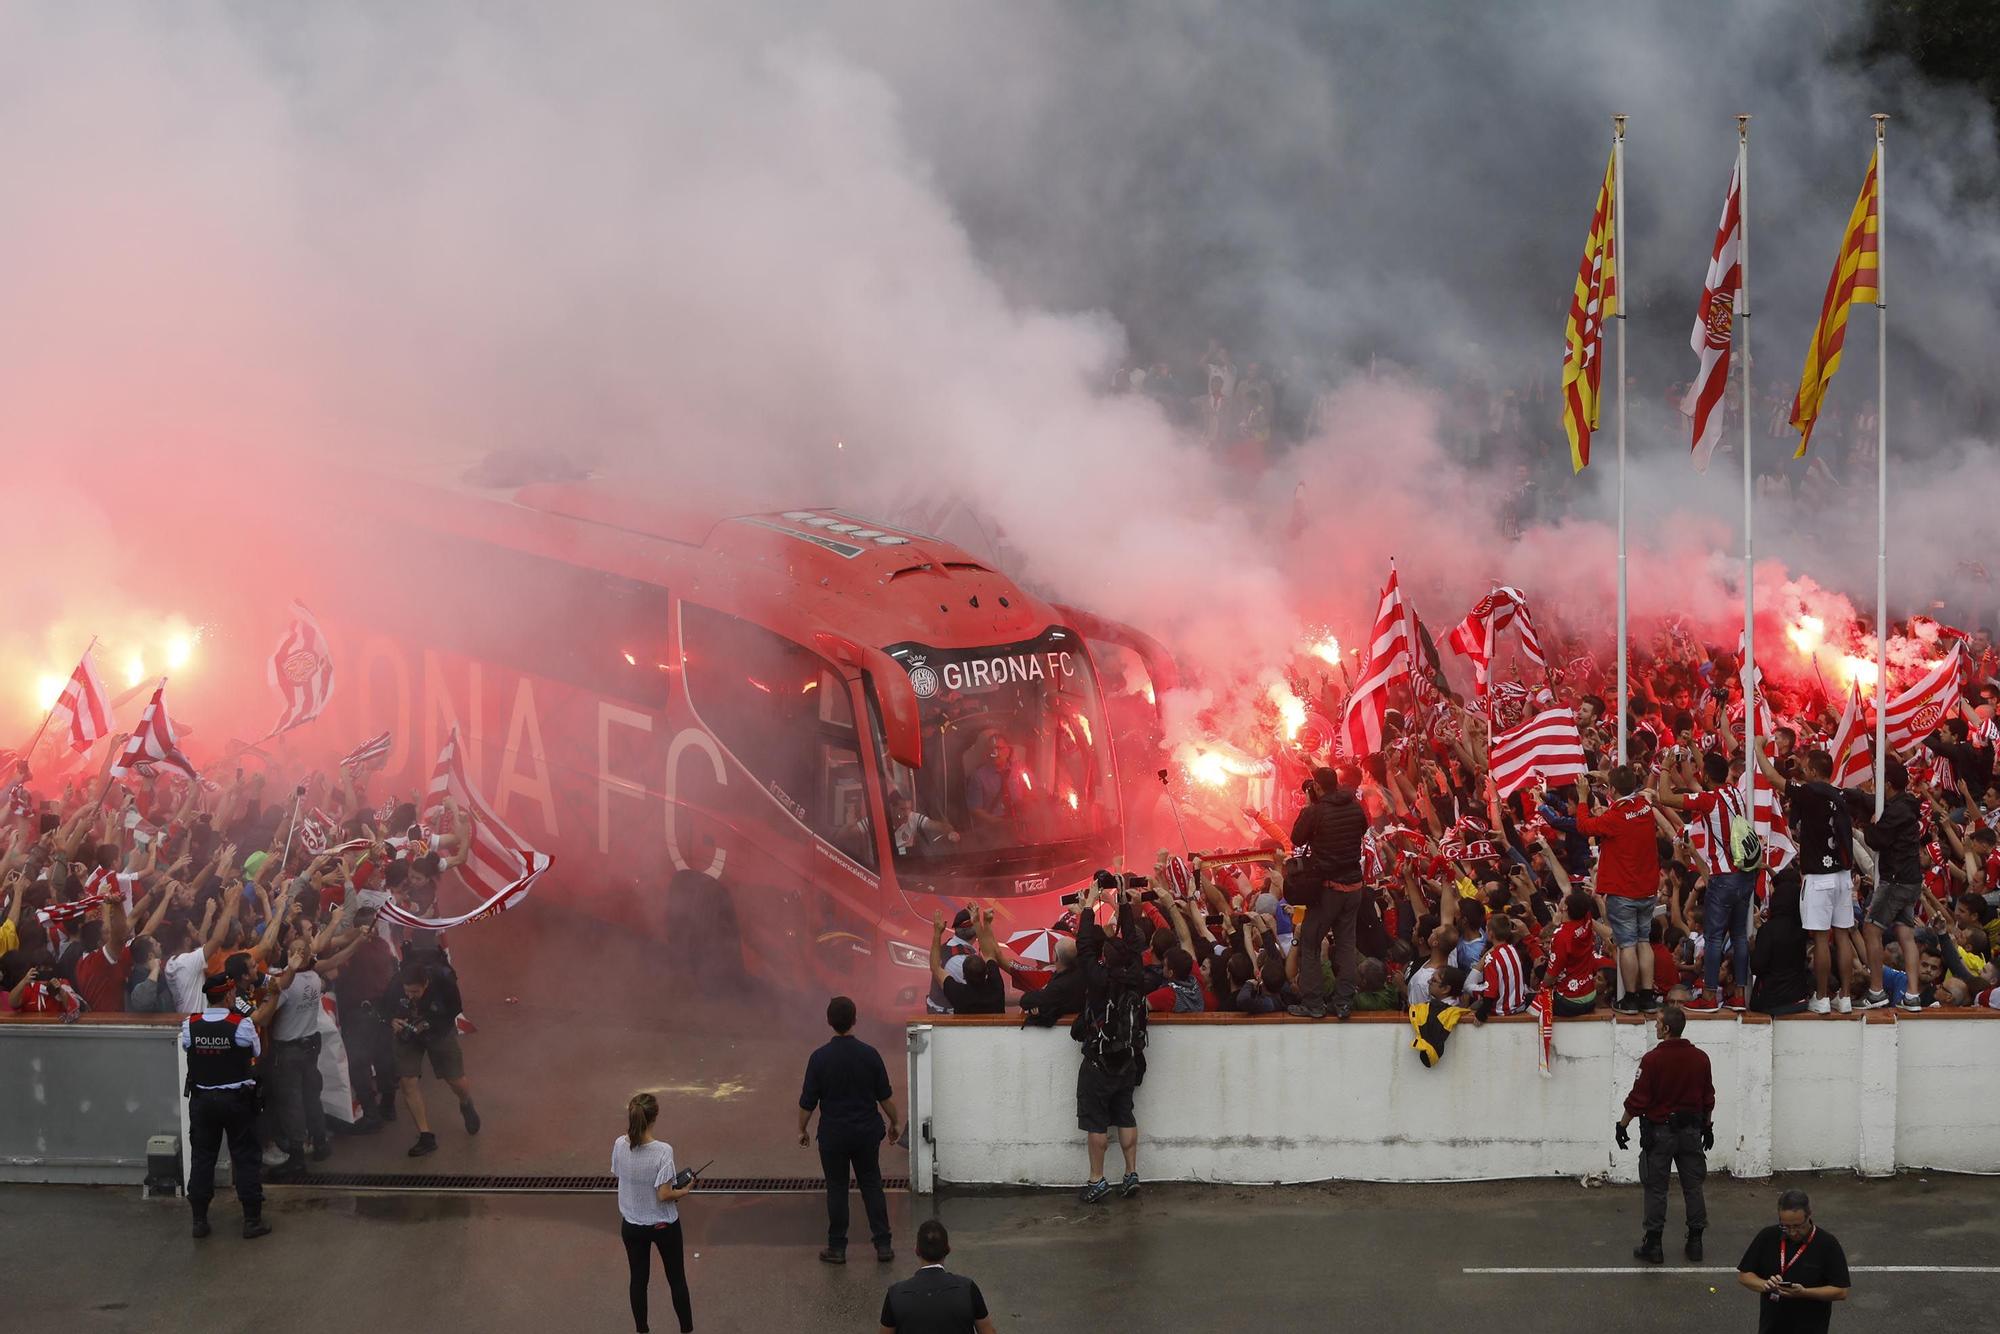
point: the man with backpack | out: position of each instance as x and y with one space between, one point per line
1727 848
1326 843
1112 1029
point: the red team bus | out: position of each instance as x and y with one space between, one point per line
785 739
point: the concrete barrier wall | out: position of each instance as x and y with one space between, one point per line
78 1101
1229 1099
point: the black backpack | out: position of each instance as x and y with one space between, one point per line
1115 1031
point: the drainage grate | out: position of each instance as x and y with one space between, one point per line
445 1184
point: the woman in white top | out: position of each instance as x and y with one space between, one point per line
647 1189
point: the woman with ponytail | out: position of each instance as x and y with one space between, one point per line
647 1190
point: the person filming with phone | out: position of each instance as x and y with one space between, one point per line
1797 1269
649 1191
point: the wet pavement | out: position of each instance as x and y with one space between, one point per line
1185 1258
596 1017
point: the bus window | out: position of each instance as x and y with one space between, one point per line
786 717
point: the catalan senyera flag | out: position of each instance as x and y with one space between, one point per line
1594 301
1854 281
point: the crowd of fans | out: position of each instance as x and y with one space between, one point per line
1627 889
140 894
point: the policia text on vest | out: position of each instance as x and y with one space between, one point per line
1673 1100
222 1050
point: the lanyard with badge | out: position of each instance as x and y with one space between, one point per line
1785 1262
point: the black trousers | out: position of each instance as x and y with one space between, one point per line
1662 1151
866 1161
639 1240
295 1087
371 1060
213 1114
1336 914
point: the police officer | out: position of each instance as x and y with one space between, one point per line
222 1047
1674 1099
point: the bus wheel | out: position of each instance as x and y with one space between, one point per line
703 943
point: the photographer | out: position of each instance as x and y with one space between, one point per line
1326 839
421 1009
1112 1029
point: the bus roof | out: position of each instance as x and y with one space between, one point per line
802 571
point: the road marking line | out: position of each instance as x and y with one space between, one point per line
1689 1269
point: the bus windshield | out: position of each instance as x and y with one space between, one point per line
1017 767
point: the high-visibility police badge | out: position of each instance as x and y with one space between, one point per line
923 680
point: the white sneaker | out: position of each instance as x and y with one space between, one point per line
1842 1004
1819 1005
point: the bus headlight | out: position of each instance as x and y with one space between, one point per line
908 955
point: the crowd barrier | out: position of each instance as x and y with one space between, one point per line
79 1100
1229 1098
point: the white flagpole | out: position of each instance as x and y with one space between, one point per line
1618 259
1741 335
1881 471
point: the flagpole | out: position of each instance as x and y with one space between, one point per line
1742 350
29 754
1881 471
1618 272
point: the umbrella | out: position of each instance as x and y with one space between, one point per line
1036 947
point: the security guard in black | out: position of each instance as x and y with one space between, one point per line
222 1047
1673 1099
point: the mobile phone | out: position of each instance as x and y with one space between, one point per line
1149 896
1071 900
1213 919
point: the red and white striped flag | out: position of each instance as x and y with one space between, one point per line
1478 635
1388 661
83 711
368 751
315 829
1543 1007
1715 327
301 671
497 858
153 740
1768 814
1853 757
1547 747
1920 710
499 901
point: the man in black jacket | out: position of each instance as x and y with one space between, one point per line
1060 996
1822 818
1327 838
1897 836
1112 1028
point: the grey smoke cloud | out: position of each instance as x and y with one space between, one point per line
704 246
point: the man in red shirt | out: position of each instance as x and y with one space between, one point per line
103 974
1674 1100
1574 960
1628 876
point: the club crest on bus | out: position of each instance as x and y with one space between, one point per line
923 680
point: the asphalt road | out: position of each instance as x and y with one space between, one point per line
594 1017
1192 1259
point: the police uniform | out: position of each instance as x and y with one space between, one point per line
221 1046
1674 1101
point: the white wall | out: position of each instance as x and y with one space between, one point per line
1265 1101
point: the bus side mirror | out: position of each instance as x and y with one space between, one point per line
900 730
1159 663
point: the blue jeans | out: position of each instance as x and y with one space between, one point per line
1725 911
